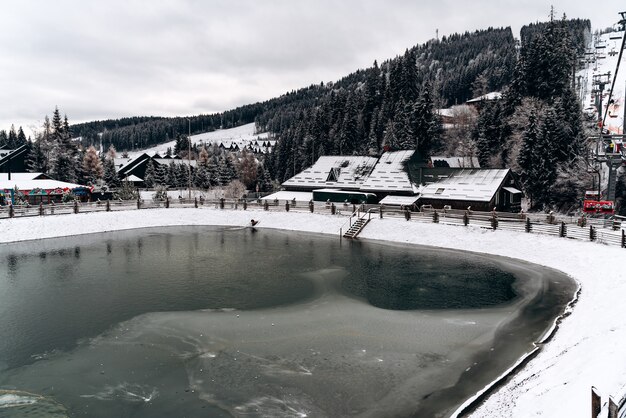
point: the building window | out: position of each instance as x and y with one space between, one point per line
439 191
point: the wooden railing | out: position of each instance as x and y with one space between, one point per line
606 231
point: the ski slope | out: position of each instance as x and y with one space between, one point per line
602 59
241 135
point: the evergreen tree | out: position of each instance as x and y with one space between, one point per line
149 178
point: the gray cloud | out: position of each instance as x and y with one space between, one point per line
98 60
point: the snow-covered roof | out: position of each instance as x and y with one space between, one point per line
446 112
495 95
457 161
37 184
389 174
22 176
393 200
334 171
477 185
168 161
287 195
133 178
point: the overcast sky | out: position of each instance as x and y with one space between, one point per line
109 59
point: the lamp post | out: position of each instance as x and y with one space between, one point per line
189 157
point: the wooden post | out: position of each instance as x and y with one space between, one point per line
195 202
407 214
623 239
266 206
333 209
11 211
41 211
435 217
465 219
562 230
167 202
108 207
592 233
245 204
529 226
613 409
596 403
75 207
311 206
221 203
380 211
494 221
138 203
287 206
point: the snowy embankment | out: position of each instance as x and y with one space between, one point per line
587 349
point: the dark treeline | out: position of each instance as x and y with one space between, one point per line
579 32
12 139
143 132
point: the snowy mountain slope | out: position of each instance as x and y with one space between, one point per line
602 59
241 135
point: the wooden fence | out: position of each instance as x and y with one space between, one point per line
606 231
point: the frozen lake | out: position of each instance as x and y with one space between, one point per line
201 321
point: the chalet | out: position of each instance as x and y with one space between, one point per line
404 178
136 167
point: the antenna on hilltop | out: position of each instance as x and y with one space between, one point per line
437 33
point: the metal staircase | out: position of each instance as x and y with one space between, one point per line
356 227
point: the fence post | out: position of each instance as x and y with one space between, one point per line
167 202
287 206
562 230
380 211
245 204
195 202
266 206
592 233
333 209
108 205
138 203
529 226
311 205
41 209
75 206
494 221
435 217
465 219
407 214
11 211
221 203
623 239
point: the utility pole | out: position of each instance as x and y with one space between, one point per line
189 157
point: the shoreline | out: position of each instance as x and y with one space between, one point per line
585 351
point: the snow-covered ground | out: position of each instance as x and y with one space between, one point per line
586 350
243 134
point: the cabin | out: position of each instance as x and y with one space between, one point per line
482 189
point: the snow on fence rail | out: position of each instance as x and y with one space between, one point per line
599 230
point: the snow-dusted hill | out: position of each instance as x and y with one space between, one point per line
602 59
242 136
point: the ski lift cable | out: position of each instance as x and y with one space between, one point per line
619 60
